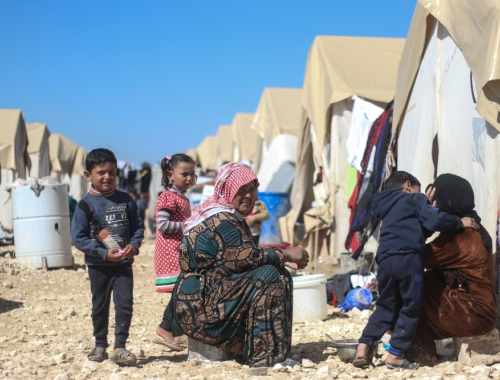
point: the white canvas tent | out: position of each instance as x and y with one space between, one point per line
62 155
278 113
337 69
447 100
225 145
246 141
78 185
14 158
38 149
68 164
207 153
193 154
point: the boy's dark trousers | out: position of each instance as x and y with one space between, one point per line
104 280
400 286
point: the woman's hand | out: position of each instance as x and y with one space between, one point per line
296 258
470 223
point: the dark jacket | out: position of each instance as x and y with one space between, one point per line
103 223
407 219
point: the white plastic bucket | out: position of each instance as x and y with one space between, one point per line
309 298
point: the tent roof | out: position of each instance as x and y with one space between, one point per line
245 138
13 134
79 162
193 154
62 153
207 153
475 27
278 112
225 143
38 136
340 67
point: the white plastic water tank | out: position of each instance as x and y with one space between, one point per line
41 225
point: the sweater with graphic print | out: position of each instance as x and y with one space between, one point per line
101 223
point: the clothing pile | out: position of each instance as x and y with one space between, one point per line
373 169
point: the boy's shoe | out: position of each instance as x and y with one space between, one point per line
405 365
98 354
361 362
123 357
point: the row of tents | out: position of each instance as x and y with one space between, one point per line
428 104
31 150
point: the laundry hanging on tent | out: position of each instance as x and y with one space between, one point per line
363 223
351 180
363 115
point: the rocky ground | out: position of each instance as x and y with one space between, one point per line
46 331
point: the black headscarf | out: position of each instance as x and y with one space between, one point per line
455 196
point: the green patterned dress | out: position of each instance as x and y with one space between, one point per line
233 294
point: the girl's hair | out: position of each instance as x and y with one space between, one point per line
169 163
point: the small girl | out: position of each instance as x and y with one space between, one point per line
172 210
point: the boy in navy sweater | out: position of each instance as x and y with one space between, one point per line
407 220
107 228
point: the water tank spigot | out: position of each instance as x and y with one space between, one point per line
37 188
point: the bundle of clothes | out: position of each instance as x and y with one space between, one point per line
362 222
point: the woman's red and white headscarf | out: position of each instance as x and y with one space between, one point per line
227 183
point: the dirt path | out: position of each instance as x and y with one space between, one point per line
46 331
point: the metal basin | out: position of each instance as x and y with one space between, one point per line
346 349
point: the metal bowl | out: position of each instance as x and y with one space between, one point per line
346 349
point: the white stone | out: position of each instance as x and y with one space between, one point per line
358 375
280 368
52 332
69 312
90 366
13 353
459 377
198 377
59 358
306 363
325 370
480 370
62 376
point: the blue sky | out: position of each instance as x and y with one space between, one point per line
151 78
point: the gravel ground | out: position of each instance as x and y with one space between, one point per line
46 331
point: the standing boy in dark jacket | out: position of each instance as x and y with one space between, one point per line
107 228
407 220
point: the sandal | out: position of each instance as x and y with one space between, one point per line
170 343
405 365
98 354
183 343
361 362
123 357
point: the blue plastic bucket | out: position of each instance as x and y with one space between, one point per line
278 205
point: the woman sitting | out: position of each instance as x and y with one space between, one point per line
231 293
459 292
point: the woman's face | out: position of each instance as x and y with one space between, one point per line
244 198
